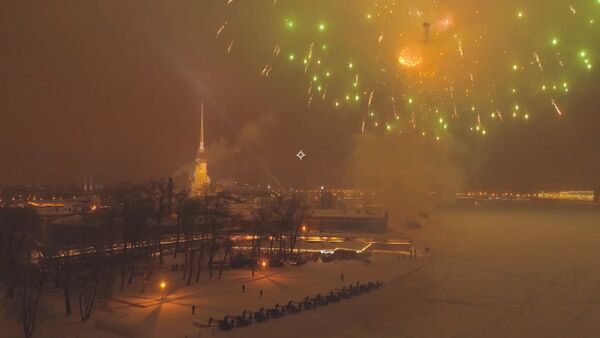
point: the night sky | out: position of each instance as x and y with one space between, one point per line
113 90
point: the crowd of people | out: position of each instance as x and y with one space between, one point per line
246 318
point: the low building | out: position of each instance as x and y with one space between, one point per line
357 220
64 207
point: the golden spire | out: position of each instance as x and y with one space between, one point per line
201 149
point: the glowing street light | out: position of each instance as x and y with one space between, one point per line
162 289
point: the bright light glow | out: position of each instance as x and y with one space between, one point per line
410 57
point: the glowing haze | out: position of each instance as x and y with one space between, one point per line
461 65
114 91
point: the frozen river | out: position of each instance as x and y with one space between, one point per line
504 269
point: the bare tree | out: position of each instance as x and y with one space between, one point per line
87 291
160 192
263 215
300 210
180 197
203 230
188 212
61 244
218 217
20 274
27 296
228 247
107 235
134 208
289 213
91 265
19 236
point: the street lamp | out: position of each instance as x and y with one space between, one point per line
162 289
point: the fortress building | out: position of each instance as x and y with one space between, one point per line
200 179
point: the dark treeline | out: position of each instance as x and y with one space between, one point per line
127 239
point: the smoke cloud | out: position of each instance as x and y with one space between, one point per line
250 136
410 172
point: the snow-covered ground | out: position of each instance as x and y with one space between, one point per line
501 270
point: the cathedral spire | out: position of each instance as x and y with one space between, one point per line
200 180
201 149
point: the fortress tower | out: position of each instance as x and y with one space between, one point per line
200 179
